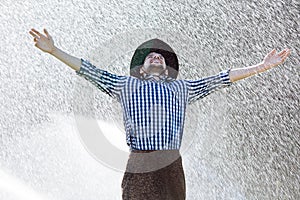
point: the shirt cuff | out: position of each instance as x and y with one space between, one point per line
224 77
83 67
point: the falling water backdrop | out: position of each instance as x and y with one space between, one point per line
241 142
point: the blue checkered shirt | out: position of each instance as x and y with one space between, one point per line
153 111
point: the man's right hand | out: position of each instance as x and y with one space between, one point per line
43 42
46 44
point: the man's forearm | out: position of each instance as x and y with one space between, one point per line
69 60
241 73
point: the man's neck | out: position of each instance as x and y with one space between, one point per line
157 78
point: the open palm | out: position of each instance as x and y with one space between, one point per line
43 42
273 58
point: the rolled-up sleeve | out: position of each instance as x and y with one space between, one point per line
108 83
198 89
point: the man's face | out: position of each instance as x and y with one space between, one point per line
154 63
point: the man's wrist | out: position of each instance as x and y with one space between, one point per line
53 51
261 67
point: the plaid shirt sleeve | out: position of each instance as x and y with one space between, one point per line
109 83
198 89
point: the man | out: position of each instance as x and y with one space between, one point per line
154 105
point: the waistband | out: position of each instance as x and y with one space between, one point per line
156 151
141 161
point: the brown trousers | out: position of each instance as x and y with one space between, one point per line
154 175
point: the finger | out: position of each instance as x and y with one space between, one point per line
273 52
35 31
270 54
284 57
287 54
46 32
48 35
33 34
288 51
282 52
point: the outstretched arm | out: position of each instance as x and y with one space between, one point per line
46 44
271 60
105 81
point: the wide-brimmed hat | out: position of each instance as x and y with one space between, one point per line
158 46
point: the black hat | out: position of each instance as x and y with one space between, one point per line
158 46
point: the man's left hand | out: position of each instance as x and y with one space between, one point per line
273 58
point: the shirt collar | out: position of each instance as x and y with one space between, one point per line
162 78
